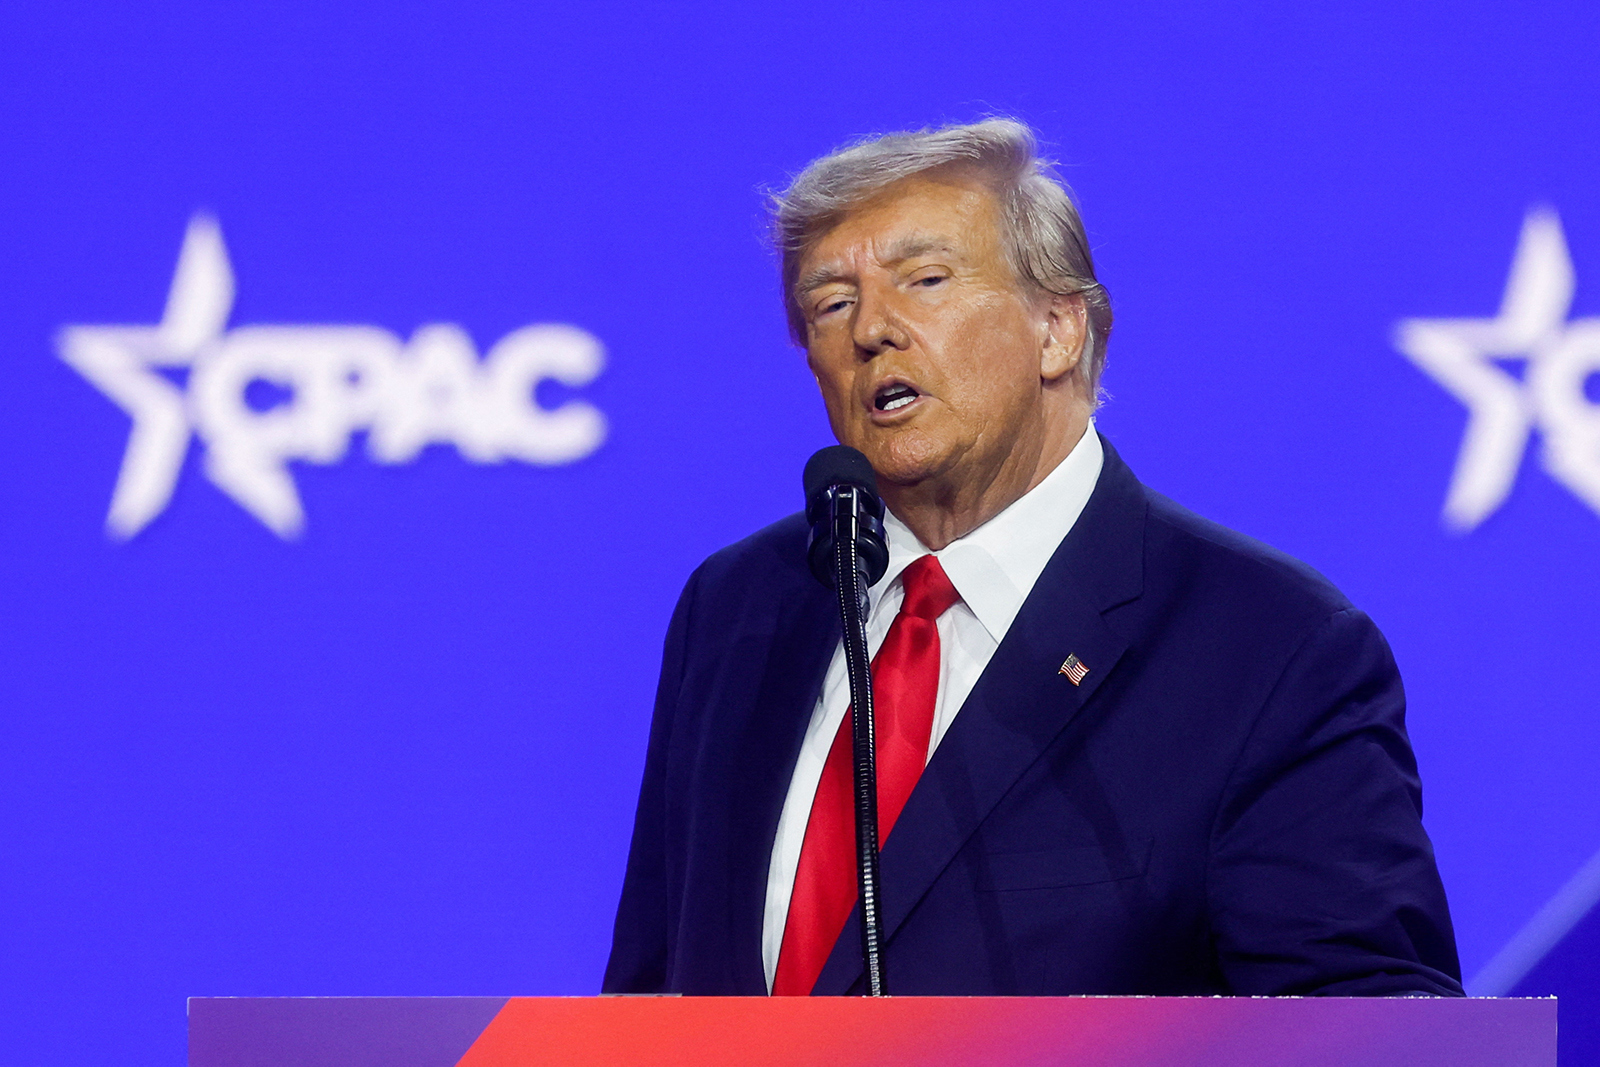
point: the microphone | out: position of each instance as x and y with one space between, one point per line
847 553
841 485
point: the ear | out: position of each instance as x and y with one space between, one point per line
1067 328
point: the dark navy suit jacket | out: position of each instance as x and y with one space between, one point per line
1228 804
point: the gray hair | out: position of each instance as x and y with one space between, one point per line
1044 234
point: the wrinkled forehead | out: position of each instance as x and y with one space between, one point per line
914 217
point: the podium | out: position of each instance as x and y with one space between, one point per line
870 1032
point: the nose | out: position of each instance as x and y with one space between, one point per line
876 329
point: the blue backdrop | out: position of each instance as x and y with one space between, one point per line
350 712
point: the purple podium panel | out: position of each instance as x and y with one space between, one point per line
343 1031
887 1032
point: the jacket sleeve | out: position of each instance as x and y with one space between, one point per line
640 947
1321 879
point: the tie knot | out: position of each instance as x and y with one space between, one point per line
929 593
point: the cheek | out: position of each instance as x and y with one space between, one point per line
994 361
832 379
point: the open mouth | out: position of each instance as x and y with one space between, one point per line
893 397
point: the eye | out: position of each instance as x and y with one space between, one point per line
931 281
827 307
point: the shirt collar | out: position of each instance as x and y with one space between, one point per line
995 566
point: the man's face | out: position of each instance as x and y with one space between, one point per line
930 355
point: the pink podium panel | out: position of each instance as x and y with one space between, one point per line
859 1032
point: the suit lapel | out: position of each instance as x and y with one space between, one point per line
1019 706
804 638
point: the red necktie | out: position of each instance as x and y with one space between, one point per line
905 686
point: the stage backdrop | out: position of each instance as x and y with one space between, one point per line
375 374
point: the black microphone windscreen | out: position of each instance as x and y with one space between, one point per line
838 465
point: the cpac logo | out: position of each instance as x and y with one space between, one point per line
330 381
1558 357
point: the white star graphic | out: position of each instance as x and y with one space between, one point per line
117 360
1558 355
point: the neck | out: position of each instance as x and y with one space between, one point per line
941 509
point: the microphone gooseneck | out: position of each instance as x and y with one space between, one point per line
847 553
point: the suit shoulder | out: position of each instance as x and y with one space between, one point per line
773 553
1210 552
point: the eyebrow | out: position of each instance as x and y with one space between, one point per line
917 244
907 247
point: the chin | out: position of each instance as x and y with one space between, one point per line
904 458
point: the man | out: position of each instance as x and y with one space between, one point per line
1122 750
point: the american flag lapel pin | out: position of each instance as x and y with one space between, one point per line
1074 669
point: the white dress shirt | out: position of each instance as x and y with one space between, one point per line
993 568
